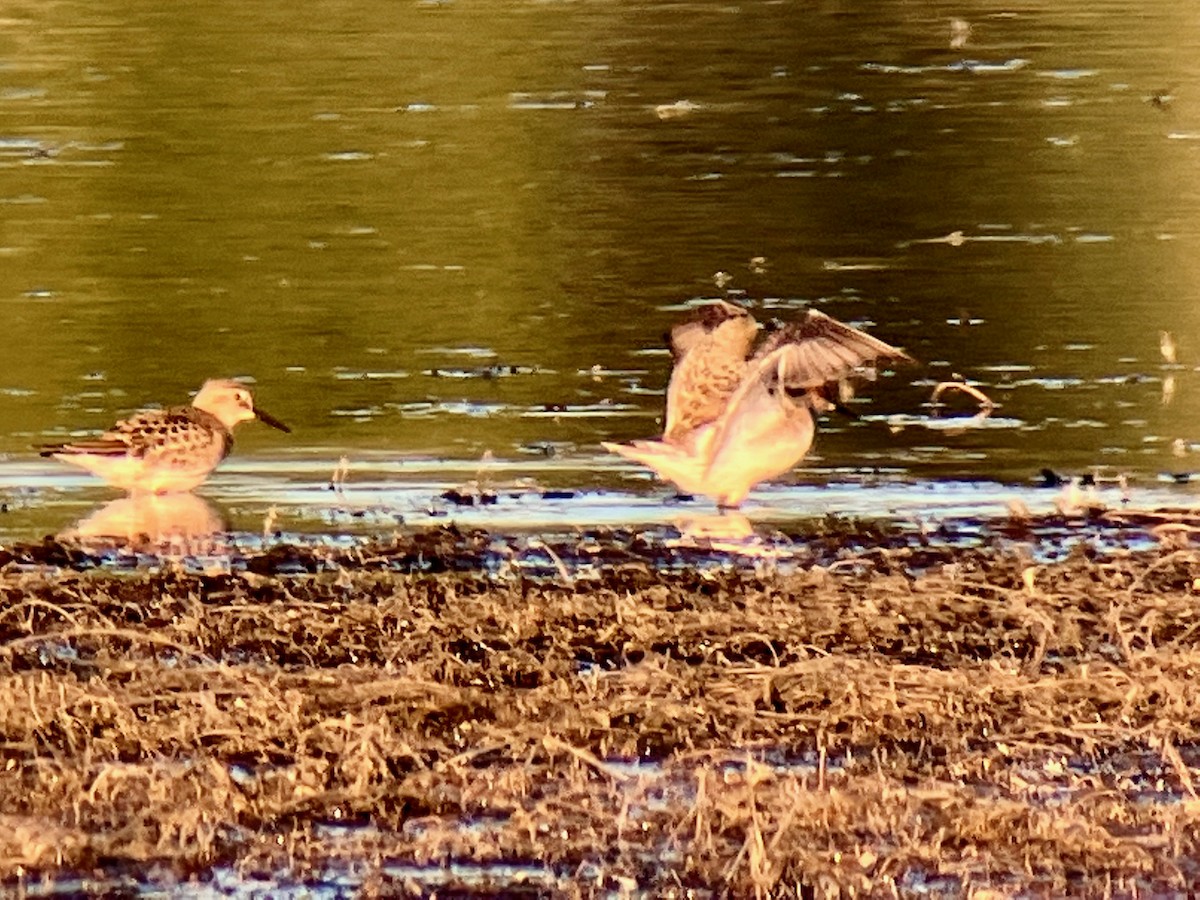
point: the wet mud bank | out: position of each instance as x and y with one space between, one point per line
1002 708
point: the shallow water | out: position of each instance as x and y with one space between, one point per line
433 231
299 501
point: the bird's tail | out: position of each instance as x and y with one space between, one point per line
669 461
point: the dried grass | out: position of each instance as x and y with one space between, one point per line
920 717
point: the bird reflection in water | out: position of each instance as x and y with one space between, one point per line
727 525
160 523
730 531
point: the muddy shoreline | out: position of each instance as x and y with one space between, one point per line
1004 707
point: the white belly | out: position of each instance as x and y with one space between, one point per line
765 436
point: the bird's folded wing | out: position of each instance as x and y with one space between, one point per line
154 425
818 350
139 434
101 446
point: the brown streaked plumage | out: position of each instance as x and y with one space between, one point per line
710 353
737 414
169 450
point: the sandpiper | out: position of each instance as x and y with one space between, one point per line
737 415
168 450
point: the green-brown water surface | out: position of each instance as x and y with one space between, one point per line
433 230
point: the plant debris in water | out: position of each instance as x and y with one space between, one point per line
887 715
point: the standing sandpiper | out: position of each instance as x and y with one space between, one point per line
737 415
169 450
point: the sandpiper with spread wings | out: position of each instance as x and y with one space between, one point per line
739 414
168 450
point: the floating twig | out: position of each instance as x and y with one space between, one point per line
986 404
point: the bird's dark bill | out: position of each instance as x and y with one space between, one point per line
268 419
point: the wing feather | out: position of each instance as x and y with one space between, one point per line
699 391
146 433
684 337
92 447
818 350
707 318
710 351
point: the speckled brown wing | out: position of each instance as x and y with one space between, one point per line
710 363
819 350
687 335
700 389
155 432
180 429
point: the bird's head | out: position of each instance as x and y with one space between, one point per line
231 403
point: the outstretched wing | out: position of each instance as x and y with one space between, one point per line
710 354
819 350
814 357
686 335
